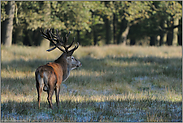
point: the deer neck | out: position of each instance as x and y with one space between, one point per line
66 68
67 73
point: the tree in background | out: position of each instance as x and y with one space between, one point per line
159 23
78 16
7 28
97 22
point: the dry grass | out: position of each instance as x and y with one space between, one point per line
115 83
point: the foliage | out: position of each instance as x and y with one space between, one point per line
159 13
94 18
36 15
137 10
3 11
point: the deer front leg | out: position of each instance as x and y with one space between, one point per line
57 90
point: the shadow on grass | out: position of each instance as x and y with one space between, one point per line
120 111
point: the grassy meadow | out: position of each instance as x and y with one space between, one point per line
115 83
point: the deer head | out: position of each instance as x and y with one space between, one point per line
61 43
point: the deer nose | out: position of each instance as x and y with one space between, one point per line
79 65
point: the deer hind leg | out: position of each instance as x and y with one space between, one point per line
50 94
45 78
57 90
39 86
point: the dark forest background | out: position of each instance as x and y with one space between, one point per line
153 23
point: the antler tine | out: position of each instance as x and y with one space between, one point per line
52 32
48 31
48 35
51 49
53 35
43 34
65 42
72 50
67 37
76 46
58 37
71 43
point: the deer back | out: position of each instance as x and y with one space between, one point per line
58 71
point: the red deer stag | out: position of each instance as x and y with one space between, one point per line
50 76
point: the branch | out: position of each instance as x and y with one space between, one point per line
167 29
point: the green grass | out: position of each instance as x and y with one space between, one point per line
115 83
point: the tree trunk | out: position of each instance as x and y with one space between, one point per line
108 31
170 33
125 34
163 38
132 41
114 28
8 24
37 37
18 35
94 32
163 35
30 40
170 38
47 9
180 39
152 40
94 36
175 32
124 29
180 34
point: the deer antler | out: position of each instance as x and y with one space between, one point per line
48 35
55 37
